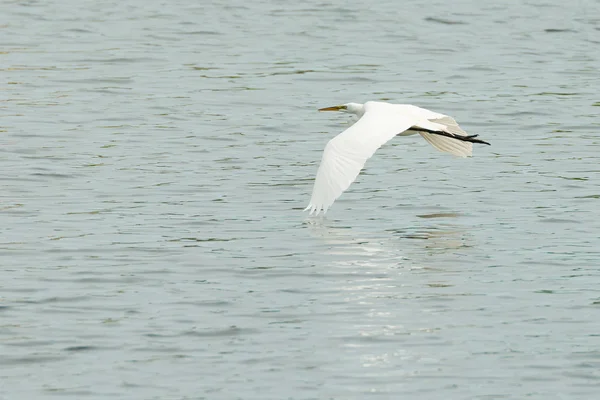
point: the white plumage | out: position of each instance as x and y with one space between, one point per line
345 155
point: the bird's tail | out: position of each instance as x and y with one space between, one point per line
448 145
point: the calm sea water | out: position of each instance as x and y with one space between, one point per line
155 158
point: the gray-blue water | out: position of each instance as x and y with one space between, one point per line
155 158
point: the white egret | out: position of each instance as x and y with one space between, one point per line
345 155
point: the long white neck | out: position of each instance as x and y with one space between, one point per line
355 108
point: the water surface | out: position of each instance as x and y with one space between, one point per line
155 159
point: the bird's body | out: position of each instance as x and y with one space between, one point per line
345 155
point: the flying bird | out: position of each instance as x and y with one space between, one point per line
378 122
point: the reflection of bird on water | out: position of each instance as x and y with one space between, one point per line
346 154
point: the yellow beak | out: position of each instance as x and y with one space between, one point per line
334 108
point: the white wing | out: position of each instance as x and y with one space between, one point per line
346 154
446 144
445 123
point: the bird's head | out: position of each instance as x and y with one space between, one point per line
351 108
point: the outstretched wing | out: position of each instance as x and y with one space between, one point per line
446 144
346 154
448 124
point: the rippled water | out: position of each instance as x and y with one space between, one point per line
155 158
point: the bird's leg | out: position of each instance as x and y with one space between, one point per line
469 138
